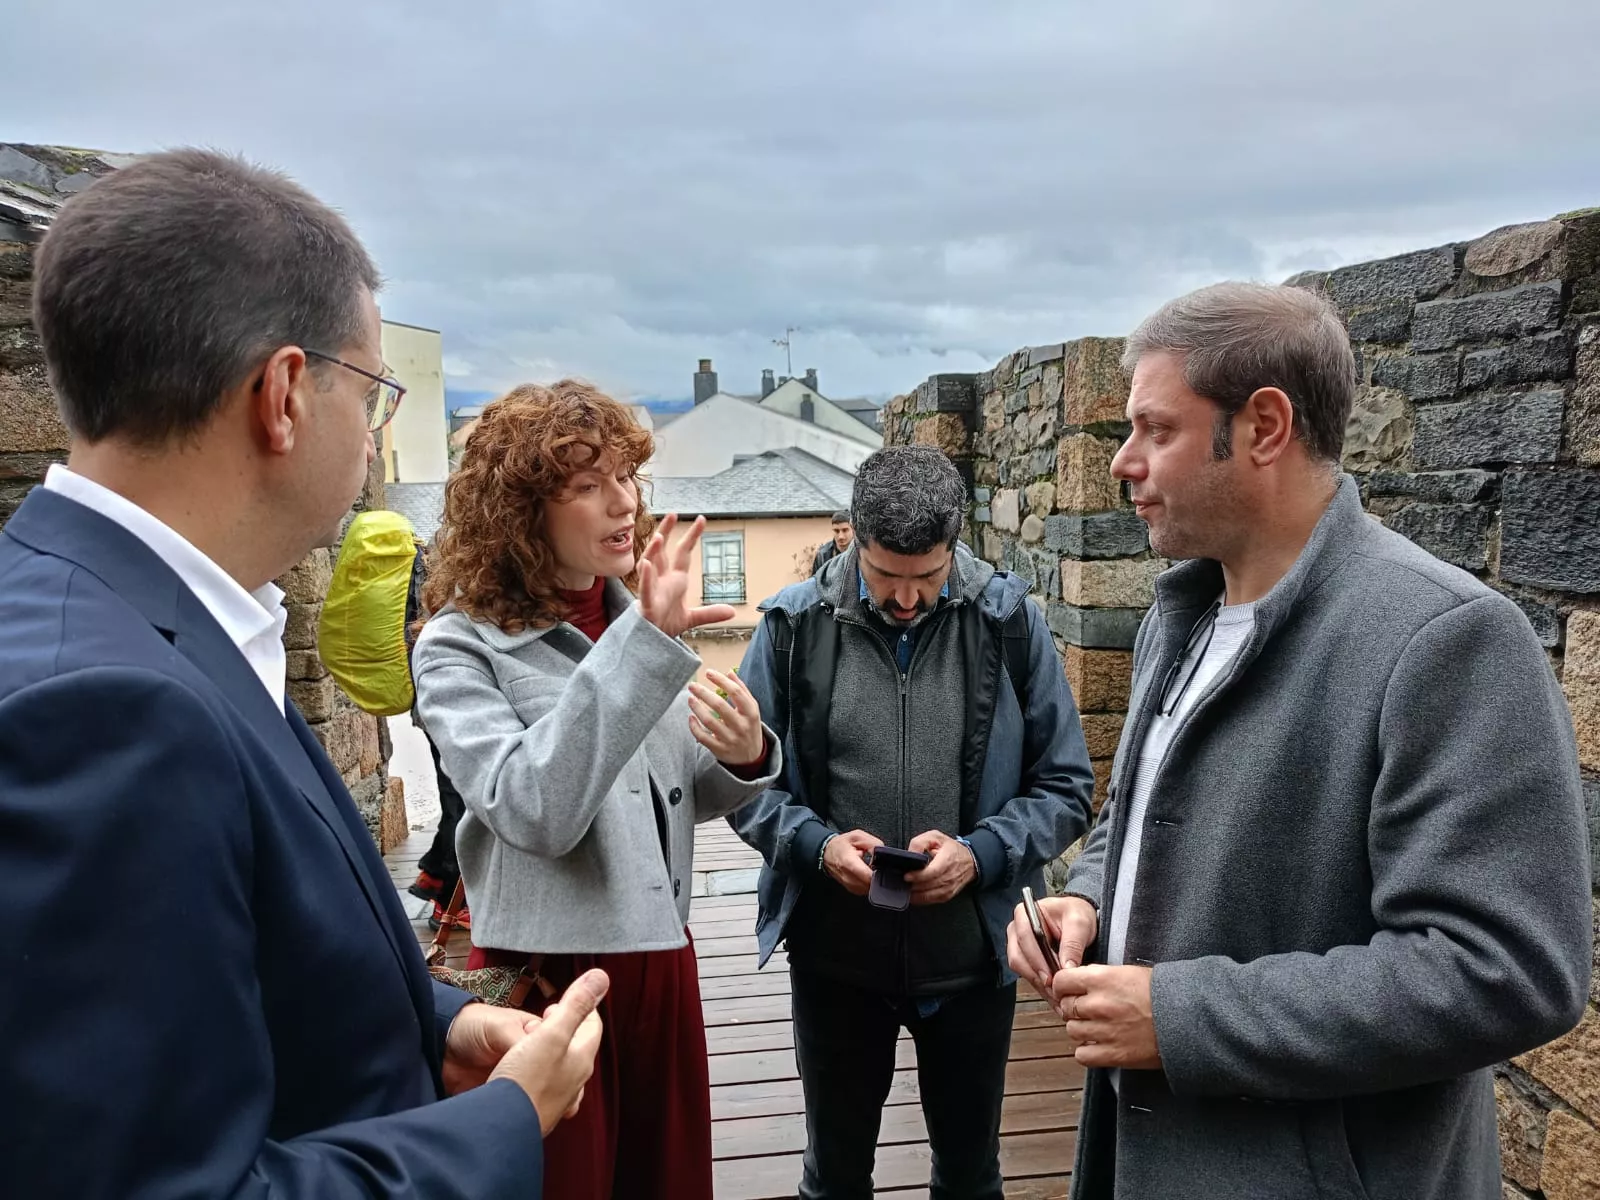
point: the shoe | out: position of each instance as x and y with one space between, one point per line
463 918
428 887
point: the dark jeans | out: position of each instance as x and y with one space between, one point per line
440 860
845 1045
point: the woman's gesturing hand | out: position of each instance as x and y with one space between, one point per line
664 582
728 726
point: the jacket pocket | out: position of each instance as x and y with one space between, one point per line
1327 1144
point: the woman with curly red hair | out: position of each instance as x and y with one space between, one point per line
556 697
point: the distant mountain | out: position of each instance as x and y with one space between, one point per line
658 404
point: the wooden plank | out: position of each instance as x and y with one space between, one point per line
779 1035
771 1178
722 947
755 1066
777 1097
755 1137
774 984
721 968
706 930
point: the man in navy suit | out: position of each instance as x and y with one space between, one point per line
207 984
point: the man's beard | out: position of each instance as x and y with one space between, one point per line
900 622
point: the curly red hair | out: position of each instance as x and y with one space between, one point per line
491 557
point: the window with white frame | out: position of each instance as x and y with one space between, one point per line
722 566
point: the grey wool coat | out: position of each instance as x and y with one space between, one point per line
1364 880
566 768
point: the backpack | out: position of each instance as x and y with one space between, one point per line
365 637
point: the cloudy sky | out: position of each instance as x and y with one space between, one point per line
615 190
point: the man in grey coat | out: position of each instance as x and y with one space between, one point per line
1343 867
922 706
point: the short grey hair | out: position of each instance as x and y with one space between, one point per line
1236 338
166 283
908 499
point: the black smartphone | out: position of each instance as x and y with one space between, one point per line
1040 935
891 859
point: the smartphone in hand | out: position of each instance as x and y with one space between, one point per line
1040 934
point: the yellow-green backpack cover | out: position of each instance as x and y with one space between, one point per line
362 637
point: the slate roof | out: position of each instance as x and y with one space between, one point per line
420 503
777 483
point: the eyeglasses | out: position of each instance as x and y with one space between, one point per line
383 398
1204 627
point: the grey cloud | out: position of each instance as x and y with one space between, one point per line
617 190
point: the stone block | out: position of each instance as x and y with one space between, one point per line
367 792
1095 628
994 547
1041 461
1570 1065
1051 386
1102 732
1583 409
1032 529
1016 401
307 582
313 697
1083 474
306 664
1550 529
1433 487
341 738
1102 782
1110 583
1039 355
1005 512
1529 360
371 745
1491 427
982 515
1545 620
1591 806
1580 679
1388 323
982 495
946 393
1522 1130
1571 1160
994 413
1515 312
1420 275
1022 564
1119 534
1420 376
1379 431
300 633
29 420
1041 498
16 303
1100 679
946 430
1049 576
20 350
1094 388
393 825
1512 248
1042 427
1457 533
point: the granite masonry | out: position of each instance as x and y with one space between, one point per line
1476 433
34 182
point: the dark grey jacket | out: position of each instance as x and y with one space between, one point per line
1364 880
862 748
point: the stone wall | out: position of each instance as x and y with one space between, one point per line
34 181
1476 434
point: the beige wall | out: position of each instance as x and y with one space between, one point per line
773 550
415 444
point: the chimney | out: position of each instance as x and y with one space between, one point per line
767 384
811 379
705 382
808 409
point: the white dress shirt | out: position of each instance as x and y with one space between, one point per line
253 621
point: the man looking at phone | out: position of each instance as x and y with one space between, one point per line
923 707
1343 868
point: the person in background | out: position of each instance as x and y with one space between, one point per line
923 707
1343 867
556 697
835 546
210 987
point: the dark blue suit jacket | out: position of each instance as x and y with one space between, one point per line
208 987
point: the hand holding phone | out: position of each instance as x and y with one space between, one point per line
889 866
1040 934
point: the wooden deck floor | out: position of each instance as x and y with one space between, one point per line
758 1131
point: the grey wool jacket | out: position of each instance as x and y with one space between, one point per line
581 780
1364 880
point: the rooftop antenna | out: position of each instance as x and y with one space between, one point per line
788 350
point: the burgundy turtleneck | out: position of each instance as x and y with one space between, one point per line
587 609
